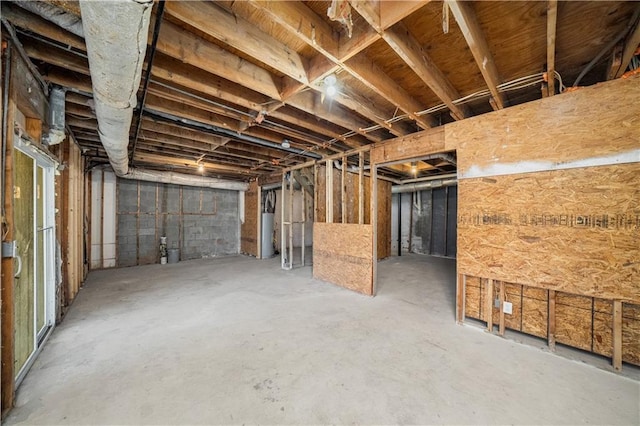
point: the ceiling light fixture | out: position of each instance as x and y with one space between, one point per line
330 85
414 167
285 143
200 167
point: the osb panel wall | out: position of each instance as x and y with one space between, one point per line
575 230
582 322
343 255
353 197
249 229
583 124
414 145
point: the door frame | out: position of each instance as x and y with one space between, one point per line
49 167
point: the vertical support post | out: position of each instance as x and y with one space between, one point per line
617 335
7 292
315 192
488 305
304 220
102 218
374 225
501 325
551 318
329 186
399 224
290 266
461 285
361 188
343 189
259 219
283 244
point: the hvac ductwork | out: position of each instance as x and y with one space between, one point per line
116 38
183 179
421 186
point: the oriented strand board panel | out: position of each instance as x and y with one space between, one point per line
429 141
343 255
559 129
249 229
575 230
473 298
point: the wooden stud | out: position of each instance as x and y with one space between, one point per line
374 223
291 180
343 190
488 305
7 380
461 284
617 335
329 187
552 16
551 318
316 194
283 246
501 325
258 221
361 187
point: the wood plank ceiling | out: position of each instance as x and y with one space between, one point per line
231 80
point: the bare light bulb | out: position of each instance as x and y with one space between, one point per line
201 167
331 91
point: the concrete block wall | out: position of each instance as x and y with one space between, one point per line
201 222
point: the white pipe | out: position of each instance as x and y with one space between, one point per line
419 186
116 38
184 179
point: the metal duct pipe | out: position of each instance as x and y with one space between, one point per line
221 131
420 186
184 179
116 54
58 16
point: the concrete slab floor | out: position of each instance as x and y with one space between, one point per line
237 340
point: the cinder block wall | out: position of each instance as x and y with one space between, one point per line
201 222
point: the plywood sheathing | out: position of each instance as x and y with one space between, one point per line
575 230
342 254
596 121
249 229
352 204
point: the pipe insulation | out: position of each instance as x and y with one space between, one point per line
421 186
116 54
58 16
184 179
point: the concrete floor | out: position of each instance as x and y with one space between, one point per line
237 340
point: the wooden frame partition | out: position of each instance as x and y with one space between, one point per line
549 200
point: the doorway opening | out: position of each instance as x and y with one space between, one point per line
423 228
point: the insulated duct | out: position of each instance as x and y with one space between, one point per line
184 179
421 186
58 16
116 38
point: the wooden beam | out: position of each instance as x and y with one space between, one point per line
300 20
7 331
461 285
552 16
187 47
472 32
29 21
630 47
400 39
310 103
242 35
617 335
365 70
370 11
392 12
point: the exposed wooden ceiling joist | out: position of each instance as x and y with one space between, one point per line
473 34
